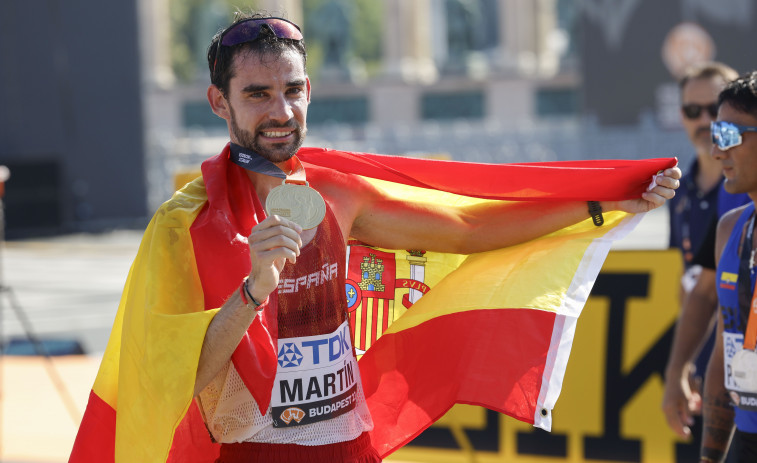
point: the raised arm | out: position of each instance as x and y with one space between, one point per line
394 223
272 243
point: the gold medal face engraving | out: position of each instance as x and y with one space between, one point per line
298 203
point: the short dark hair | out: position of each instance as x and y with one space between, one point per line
221 71
708 70
741 94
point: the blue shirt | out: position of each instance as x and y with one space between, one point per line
691 213
735 311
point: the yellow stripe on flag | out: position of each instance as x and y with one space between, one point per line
537 274
157 335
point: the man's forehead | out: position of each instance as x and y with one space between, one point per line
260 71
287 61
710 84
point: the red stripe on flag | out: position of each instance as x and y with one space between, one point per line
96 440
353 319
191 442
596 180
364 324
377 304
223 260
386 316
493 358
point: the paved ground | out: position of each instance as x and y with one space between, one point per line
69 287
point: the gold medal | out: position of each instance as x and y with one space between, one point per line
298 203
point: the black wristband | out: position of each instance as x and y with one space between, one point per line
595 211
250 300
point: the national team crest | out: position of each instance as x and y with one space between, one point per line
372 285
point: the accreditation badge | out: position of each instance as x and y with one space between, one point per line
744 369
299 203
740 372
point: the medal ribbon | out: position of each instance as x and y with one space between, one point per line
285 200
254 162
746 266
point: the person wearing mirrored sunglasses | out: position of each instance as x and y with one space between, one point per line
287 278
693 213
730 390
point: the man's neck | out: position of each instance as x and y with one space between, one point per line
264 174
263 184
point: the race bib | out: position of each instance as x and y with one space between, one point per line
316 379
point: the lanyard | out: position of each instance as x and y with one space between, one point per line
254 162
686 245
687 202
293 199
746 267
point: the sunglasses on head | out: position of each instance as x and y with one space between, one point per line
726 135
249 31
693 110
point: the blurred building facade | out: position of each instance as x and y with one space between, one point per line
486 80
71 127
475 80
452 75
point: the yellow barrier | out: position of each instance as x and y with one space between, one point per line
183 177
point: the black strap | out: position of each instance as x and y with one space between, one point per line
251 160
595 211
744 279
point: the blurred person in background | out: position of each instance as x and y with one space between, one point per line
694 214
730 387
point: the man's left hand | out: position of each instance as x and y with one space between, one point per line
665 185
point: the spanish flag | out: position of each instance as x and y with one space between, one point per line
493 329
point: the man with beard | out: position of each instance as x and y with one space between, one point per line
730 389
694 213
260 87
235 243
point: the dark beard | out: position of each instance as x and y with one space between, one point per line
279 153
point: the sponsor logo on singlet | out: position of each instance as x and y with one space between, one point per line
317 350
289 355
317 375
327 273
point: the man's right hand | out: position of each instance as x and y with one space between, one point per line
680 402
273 242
